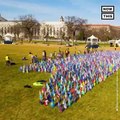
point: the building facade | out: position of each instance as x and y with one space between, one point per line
5 26
48 29
53 29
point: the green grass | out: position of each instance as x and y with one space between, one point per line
19 103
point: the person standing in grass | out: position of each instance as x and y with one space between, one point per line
88 47
67 52
44 56
31 57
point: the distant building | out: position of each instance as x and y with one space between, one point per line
100 26
5 26
2 19
52 29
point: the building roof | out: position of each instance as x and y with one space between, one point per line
2 19
103 25
99 24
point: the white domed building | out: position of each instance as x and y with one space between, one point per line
54 28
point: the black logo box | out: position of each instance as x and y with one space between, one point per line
107 18
108 6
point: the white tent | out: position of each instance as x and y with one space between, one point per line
8 35
92 39
8 38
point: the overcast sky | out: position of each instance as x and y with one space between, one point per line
51 10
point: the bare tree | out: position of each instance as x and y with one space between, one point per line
16 29
102 33
74 24
1 37
62 35
28 24
114 32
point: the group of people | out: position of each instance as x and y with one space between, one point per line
45 63
34 58
73 76
55 55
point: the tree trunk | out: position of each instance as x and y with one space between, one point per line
61 41
30 39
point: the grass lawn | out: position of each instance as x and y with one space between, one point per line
19 103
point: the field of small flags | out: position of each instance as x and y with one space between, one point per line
67 93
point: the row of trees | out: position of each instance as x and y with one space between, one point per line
104 34
27 24
77 28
